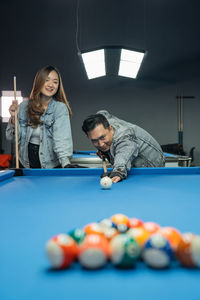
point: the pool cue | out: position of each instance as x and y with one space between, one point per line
180 102
104 165
16 129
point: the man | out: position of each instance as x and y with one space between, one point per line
125 145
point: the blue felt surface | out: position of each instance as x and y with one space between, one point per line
34 208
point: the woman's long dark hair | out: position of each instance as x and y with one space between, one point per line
35 109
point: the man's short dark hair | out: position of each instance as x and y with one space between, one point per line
93 121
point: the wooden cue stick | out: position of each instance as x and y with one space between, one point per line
16 127
104 165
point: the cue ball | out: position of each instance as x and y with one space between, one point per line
106 183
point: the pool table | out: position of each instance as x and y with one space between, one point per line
90 159
42 203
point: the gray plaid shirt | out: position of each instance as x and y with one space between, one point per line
132 146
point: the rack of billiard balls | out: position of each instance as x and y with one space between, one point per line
124 241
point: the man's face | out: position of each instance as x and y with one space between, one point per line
101 138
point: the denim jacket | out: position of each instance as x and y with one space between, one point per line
56 146
132 146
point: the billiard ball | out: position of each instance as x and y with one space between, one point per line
121 228
188 250
106 223
120 219
106 183
124 251
110 233
151 227
140 234
94 251
108 229
120 222
157 252
78 234
134 222
94 227
173 236
61 251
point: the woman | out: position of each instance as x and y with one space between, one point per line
44 130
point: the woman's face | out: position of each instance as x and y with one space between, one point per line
51 84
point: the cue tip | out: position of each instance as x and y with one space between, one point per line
104 165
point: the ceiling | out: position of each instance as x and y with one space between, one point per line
42 32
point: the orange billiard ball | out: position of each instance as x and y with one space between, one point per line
61 251
134 223
188 251
94 228
94 251
120 222
120 219
151 227
140 234
173 236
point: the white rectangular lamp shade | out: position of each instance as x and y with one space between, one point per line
130 62
5 102
94 63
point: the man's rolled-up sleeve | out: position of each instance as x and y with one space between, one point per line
126 150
